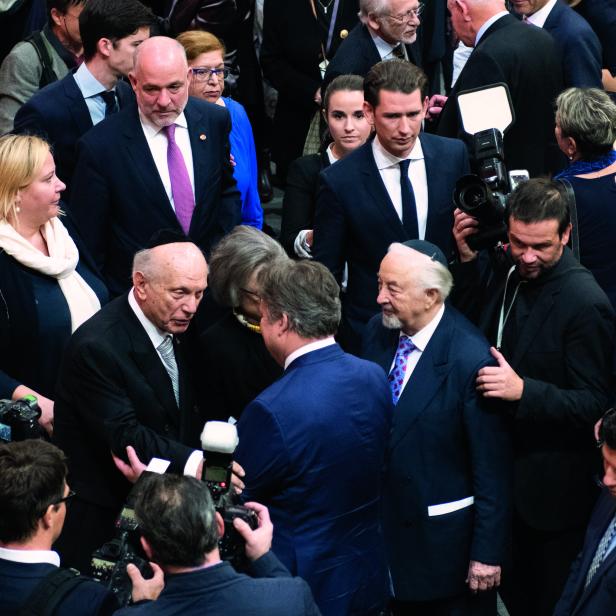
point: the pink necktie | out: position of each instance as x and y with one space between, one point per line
181 188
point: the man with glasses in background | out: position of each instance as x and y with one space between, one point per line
388 30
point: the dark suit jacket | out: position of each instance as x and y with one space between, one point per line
316 462
300 197
446 444
58 113
601 15
527 60
18 581
579 46
598 599
563 348
355 221
358 54
220 590
118 200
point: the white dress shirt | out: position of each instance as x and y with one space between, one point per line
308 348
157 142
487 24
420 340
539 18
157 336
385 49
30 557
389 168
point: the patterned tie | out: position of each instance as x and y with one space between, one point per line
398 52
111 102
409 209
181 188
601 552
396 376
165 348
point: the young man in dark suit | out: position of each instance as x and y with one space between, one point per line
447 495
65 110
396 187
553 331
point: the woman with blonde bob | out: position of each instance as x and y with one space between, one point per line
46 291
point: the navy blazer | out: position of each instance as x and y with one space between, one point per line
599 598
579 47
220 590
446 445
355 220
313 445
58 113
118 200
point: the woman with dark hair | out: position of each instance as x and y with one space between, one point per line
343 110
585 132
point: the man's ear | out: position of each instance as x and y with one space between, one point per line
139 282
104 47
46 520
147 548
564 240
284 323
373 22
56 17
220 524
369 112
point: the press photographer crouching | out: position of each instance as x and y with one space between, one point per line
180 531
34 496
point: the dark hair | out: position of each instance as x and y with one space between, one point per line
62 6
394 76
342 83
607 429
539 199
32 477
306 292
176 515
112 19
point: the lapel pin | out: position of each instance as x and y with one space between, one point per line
202 137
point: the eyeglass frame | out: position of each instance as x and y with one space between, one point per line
408 15
251 293
202 73
64 499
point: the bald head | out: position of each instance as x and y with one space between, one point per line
467 16
168 282
160 80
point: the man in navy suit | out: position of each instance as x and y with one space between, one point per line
180 531
447 491
579 46
65 110
590 588
161 164
366 203
313 445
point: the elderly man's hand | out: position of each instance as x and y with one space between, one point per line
499 381
482 577
258 541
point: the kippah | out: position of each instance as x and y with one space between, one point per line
429 249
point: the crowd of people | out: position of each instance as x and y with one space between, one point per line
424 419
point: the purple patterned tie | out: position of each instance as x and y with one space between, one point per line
396 376
181 188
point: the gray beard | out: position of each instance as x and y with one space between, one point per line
391 322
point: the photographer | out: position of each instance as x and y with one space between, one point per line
553 329
180 530
34 496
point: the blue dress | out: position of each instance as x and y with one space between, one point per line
245 171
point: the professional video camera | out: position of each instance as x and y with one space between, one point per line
19 419
219 440
486 115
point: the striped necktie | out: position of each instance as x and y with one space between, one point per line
167 354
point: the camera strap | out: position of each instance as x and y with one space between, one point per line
503 316
575 235
50 591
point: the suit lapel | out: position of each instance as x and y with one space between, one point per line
199 144
77 106
433 177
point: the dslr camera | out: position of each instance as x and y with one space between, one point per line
19 419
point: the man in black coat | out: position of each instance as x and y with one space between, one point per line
553 332
526 59
125 381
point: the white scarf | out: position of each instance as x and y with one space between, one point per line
60 264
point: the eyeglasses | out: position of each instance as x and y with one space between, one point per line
64 499
201 73
408 15
254 294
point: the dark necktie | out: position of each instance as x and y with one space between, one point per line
398 52
111 102
409 209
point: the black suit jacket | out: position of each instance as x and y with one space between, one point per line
563 349
446 445
601 15
355 221
579 46
598 598
58 113
300 197
527 60
118 200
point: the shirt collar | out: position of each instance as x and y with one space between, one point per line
31 557
151 130
308 348
385 159
487 24
539 17
88 84
422 337
382 46
330 154
156 335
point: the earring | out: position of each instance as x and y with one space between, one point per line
17 209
